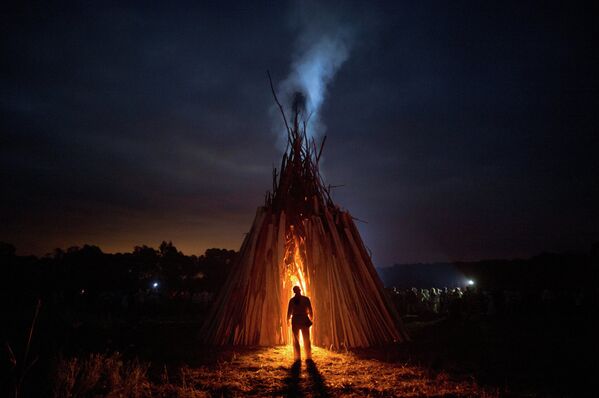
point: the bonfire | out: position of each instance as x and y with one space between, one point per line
301 237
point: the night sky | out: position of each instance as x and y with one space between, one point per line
460 130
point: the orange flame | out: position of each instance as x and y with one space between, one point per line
295 271
299 279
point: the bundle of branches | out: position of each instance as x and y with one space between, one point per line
301 237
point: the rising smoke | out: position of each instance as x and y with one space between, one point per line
322 46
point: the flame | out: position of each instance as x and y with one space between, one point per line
295 267
295 276
299 265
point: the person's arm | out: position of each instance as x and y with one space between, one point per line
289 311
310 313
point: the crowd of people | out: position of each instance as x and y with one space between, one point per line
470 301
412 303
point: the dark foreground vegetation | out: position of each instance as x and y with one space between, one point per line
126 325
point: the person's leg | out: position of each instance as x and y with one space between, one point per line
296 345
307 342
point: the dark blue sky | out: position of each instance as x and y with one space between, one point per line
461 130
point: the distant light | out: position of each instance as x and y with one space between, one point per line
82 291
155 285
470 282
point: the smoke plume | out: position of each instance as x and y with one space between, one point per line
322 46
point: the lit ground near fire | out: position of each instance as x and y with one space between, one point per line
270 372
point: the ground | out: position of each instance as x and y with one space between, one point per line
271 372
258 372
523 356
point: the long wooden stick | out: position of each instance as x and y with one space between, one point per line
278 103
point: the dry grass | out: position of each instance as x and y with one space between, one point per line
269 372
260 372
100 375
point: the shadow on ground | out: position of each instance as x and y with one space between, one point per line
297 386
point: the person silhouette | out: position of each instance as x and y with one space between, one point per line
299 312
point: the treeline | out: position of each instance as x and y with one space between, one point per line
547 270
77 270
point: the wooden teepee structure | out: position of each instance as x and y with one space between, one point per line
300 237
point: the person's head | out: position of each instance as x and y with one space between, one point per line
297 290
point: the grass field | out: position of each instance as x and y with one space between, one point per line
161 357
259 372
